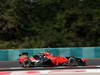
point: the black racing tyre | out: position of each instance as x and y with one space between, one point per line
26 63
72 62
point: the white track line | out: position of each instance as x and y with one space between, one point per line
47 72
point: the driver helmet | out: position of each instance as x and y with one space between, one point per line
47 53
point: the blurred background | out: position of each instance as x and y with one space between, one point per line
49 24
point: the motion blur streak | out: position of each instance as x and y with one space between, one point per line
54 72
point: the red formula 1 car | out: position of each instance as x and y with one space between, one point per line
47 59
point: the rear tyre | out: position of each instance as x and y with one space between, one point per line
72 61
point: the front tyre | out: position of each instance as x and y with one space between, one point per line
26 63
